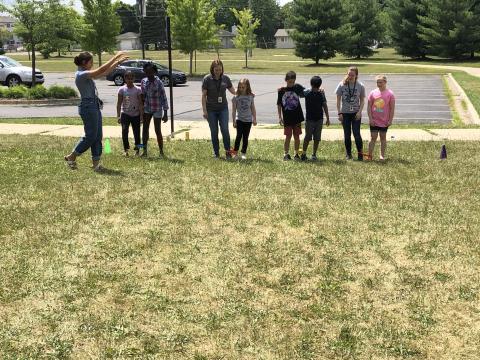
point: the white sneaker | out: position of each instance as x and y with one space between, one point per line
243 156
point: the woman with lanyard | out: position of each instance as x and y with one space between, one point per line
350 101
90 106
215 105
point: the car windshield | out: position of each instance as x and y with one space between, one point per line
9 62
160 66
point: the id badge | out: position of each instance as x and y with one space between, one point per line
351 108
220 100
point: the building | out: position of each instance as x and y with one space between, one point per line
8 22
226 39
129 41
283 40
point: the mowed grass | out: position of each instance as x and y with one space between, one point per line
263 61
471 86
192 258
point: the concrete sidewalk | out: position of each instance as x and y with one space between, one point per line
200 130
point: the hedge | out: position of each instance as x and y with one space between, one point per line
38 92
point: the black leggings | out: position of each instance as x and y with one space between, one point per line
126 120
146 130
350 124
243 131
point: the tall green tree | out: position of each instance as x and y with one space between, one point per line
193 25
5 36
154 24
128 17
365 28
102 25
451 28
318 28
245 38
404 27
32 17
63 26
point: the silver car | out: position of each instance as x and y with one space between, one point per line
13 73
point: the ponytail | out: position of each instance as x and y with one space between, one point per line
82 58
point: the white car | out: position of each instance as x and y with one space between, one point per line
13 73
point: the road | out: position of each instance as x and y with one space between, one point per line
420 98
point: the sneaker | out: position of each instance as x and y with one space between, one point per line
360 157
216 156
382 158
144 153
243 156
304 157
137 152
314 158
296 157
228 155
348 157
287 157
126 153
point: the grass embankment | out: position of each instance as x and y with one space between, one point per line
266 61
471 86
191 258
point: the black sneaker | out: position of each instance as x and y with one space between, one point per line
296 157
360 157
304 157
287 157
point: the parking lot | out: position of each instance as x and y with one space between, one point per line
420 98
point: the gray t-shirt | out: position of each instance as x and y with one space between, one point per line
85 85
244 107
216 89
351 95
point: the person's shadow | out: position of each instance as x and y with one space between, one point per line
111 172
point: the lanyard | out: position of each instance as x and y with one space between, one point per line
351 94
219 85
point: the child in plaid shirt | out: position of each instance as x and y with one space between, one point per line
155 100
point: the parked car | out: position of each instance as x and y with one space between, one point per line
136 66
13 73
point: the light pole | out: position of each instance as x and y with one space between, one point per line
141 14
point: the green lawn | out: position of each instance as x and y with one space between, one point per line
111 121
265 61
471 86
192 258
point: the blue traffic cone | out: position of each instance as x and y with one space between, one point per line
443 153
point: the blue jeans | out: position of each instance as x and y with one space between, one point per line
216 118
89 110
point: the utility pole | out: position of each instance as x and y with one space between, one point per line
141 14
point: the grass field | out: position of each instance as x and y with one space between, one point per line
471 86
265 61
191 258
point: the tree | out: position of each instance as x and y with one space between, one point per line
364 28
31 16
63 27
128 18
404 27
154 24
318 31
193 25
101 27
285 16
245 38
5 36
450 28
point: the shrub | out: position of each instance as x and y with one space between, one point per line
37 92
16 92
2 92
61 92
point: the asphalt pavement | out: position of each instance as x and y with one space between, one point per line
419 98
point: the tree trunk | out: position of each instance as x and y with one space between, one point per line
195 61
99 58
246 59
59 53
191 62
472 54
33 64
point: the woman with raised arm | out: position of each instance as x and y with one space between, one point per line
90 106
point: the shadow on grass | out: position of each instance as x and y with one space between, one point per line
165 159
111 172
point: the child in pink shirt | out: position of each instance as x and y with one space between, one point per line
381 109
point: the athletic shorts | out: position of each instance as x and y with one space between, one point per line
378 128
313 129
295 130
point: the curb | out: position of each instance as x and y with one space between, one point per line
460 93
48 102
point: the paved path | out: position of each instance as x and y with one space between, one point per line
200 130
420 98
